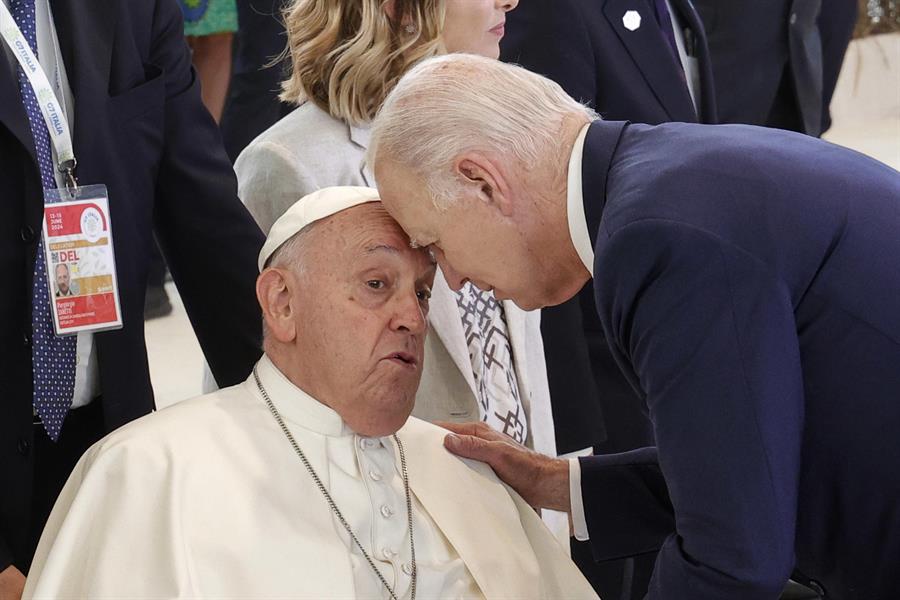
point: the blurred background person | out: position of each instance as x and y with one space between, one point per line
209 27
639 60
485 359
776 62
139 127
259 68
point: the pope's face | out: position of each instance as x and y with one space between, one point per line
361 312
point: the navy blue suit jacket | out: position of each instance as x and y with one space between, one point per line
776 62
584 46
141 129
748 281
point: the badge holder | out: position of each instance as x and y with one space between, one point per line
80 261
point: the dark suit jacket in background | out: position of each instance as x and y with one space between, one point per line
748 282
776 62
140 128
253 105
624 75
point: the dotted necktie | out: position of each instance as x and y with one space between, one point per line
52 357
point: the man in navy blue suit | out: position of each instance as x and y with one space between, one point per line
747 281
121 71
638 60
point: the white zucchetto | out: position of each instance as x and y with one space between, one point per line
311 208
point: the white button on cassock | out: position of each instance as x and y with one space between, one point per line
386 511
407 569
374 475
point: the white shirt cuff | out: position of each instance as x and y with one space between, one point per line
579 522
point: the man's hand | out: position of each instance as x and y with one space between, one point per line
542 481
12 582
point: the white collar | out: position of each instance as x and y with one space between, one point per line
295 405
578 229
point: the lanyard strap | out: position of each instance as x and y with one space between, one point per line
54 117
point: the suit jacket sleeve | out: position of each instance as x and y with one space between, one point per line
710 335
207 236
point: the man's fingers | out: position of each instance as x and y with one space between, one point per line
470 446
475 428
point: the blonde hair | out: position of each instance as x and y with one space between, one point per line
347 55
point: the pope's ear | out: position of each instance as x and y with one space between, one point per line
487 177
274 295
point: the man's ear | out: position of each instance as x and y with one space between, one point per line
488 178
274 295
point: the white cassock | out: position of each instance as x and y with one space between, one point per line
208 499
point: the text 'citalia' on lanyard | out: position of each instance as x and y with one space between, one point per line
54 117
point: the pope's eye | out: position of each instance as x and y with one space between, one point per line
375 284
424 295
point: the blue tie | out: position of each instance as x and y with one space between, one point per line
664 18
52 357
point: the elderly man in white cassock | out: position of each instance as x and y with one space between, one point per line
310 479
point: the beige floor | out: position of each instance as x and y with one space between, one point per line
866 110
176 362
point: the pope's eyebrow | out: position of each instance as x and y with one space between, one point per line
382 248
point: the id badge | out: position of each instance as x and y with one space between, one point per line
81 265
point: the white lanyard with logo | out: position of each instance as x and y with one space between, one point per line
57 124
77 232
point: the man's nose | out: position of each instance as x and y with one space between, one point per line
454 278
409 315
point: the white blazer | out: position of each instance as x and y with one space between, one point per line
308 150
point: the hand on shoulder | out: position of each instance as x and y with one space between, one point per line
542 481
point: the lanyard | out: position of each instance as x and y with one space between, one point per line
54 117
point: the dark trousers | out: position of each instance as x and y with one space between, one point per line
53 463
625 579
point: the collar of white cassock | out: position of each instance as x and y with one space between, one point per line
298 408
309 209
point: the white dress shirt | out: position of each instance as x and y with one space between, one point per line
581 239
87 379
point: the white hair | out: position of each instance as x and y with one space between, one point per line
456 103
291 254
